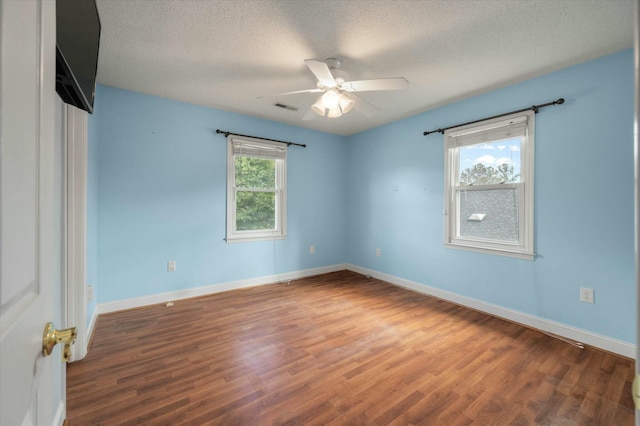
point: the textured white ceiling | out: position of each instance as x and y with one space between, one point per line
226 53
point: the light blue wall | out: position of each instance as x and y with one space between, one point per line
161 196
583 201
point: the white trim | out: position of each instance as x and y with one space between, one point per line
487 250
236 239
61 413
496 129
636 181
153 299
76 208
91 328
587 337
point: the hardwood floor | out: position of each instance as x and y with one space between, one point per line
337 349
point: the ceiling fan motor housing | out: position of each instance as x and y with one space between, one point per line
332 63
339 75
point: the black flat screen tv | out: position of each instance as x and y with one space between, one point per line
77 44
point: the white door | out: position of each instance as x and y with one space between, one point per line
637 195
31 386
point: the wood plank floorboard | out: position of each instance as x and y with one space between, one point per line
337 349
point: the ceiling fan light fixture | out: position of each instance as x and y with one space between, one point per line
330 99
318 107
346 103
338 90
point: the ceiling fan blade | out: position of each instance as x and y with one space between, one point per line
291 93
363 106
395 83
321 71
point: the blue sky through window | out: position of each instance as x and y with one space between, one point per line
492 154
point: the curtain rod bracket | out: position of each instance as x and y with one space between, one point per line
226 134
534 108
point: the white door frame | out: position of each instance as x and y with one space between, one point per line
76 286
636 161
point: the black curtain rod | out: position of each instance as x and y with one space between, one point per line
533 108
226 134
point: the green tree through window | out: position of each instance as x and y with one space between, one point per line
255 193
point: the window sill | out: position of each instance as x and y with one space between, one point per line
493 251
250 239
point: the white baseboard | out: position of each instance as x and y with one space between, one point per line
153 299
92 326
61 413
603 342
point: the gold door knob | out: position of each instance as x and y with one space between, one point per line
52 337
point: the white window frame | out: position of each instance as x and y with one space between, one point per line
257 148
476 133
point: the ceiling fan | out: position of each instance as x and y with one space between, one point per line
338 95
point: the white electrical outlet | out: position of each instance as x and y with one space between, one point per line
378 252
171 266
312 250
89 293
587 295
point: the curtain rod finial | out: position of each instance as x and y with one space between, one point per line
560 101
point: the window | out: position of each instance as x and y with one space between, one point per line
256 189
489 186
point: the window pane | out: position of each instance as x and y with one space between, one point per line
490 214
490 163
255 173
255 210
